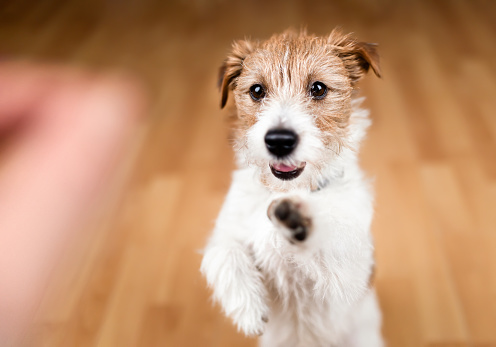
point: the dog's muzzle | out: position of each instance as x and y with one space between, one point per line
281 143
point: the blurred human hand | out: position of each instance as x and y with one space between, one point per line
62 135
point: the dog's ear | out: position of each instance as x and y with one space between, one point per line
232 67
357 57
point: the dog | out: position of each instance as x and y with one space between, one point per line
291 256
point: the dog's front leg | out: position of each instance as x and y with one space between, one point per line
237 284
326 221
330 235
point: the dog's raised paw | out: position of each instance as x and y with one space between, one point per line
289 214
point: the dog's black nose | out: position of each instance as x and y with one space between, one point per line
281 142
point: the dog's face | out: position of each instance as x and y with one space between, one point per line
293 97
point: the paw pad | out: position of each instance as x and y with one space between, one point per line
288 213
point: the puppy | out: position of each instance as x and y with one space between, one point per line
291 255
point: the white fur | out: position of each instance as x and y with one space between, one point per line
314 293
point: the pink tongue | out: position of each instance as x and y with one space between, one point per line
284 168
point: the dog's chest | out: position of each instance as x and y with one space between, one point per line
286 277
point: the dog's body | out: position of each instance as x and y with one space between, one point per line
291 256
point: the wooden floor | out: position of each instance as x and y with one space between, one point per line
431 150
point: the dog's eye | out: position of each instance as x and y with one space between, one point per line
257 92
318 90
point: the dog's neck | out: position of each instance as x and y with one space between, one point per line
324 182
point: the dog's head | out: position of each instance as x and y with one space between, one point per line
293 97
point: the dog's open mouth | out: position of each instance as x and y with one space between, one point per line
287 172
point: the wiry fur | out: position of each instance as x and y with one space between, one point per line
316 292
